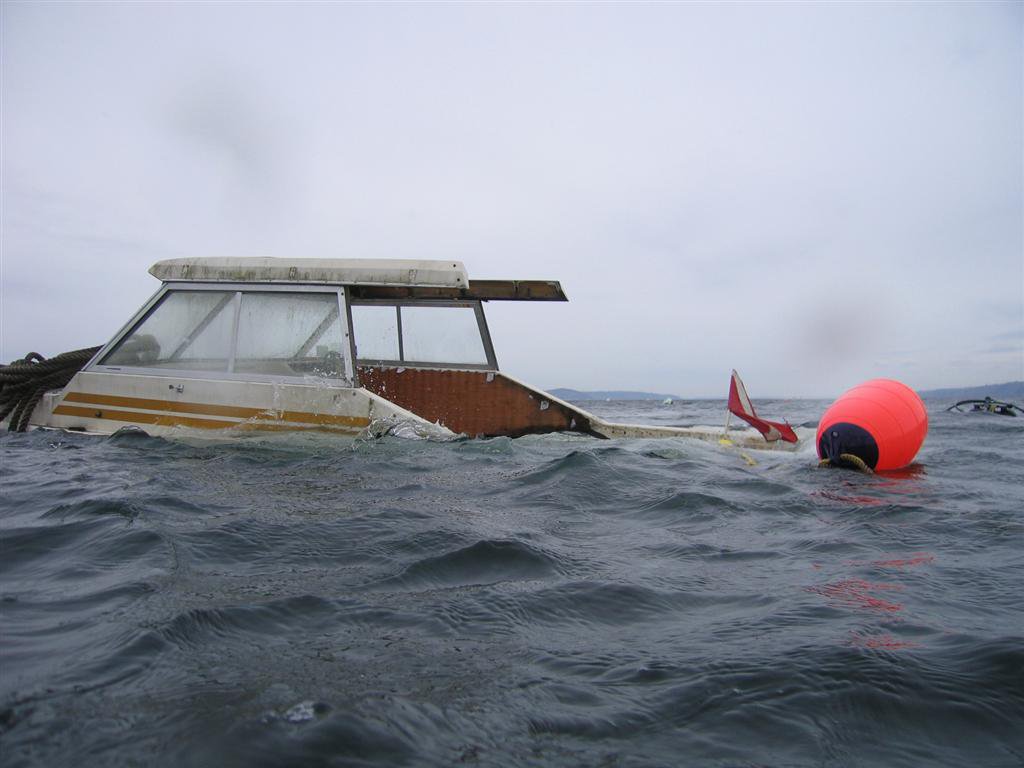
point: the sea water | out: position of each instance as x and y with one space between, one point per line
551 600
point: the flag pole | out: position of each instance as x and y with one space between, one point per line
724 440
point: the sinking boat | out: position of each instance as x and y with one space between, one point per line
987 405
347 346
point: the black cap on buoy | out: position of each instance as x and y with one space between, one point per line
843 437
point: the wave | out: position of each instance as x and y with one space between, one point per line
484 562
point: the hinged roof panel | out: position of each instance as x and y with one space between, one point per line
397 272
481 290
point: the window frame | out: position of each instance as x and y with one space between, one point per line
481 322
238 289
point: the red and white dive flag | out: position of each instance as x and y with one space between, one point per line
740 405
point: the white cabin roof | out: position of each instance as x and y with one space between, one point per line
394 272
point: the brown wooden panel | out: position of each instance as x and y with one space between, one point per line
484 290
476 403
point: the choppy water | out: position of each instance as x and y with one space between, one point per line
549 600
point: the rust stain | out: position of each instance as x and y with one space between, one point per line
466 402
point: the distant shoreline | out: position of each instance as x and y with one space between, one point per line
1010 390
565 393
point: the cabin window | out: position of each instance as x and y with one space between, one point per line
290 334
441 335
376 332
251 333
188 330
282 332
428 334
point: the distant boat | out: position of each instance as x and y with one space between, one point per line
987 405
667 401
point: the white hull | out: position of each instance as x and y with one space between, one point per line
101 403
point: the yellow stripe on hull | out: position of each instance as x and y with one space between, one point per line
97 406
137 417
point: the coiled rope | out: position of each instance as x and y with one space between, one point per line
848 459
23 382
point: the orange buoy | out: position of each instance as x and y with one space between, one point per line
882 422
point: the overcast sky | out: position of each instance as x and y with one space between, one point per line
814 194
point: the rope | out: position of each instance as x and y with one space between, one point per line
848 460
729 443
24 382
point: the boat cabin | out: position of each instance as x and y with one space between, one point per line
238 324
352 346
290 343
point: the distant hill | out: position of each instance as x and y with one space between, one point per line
1011 390
611 394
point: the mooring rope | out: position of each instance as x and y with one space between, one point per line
23 382
848 459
